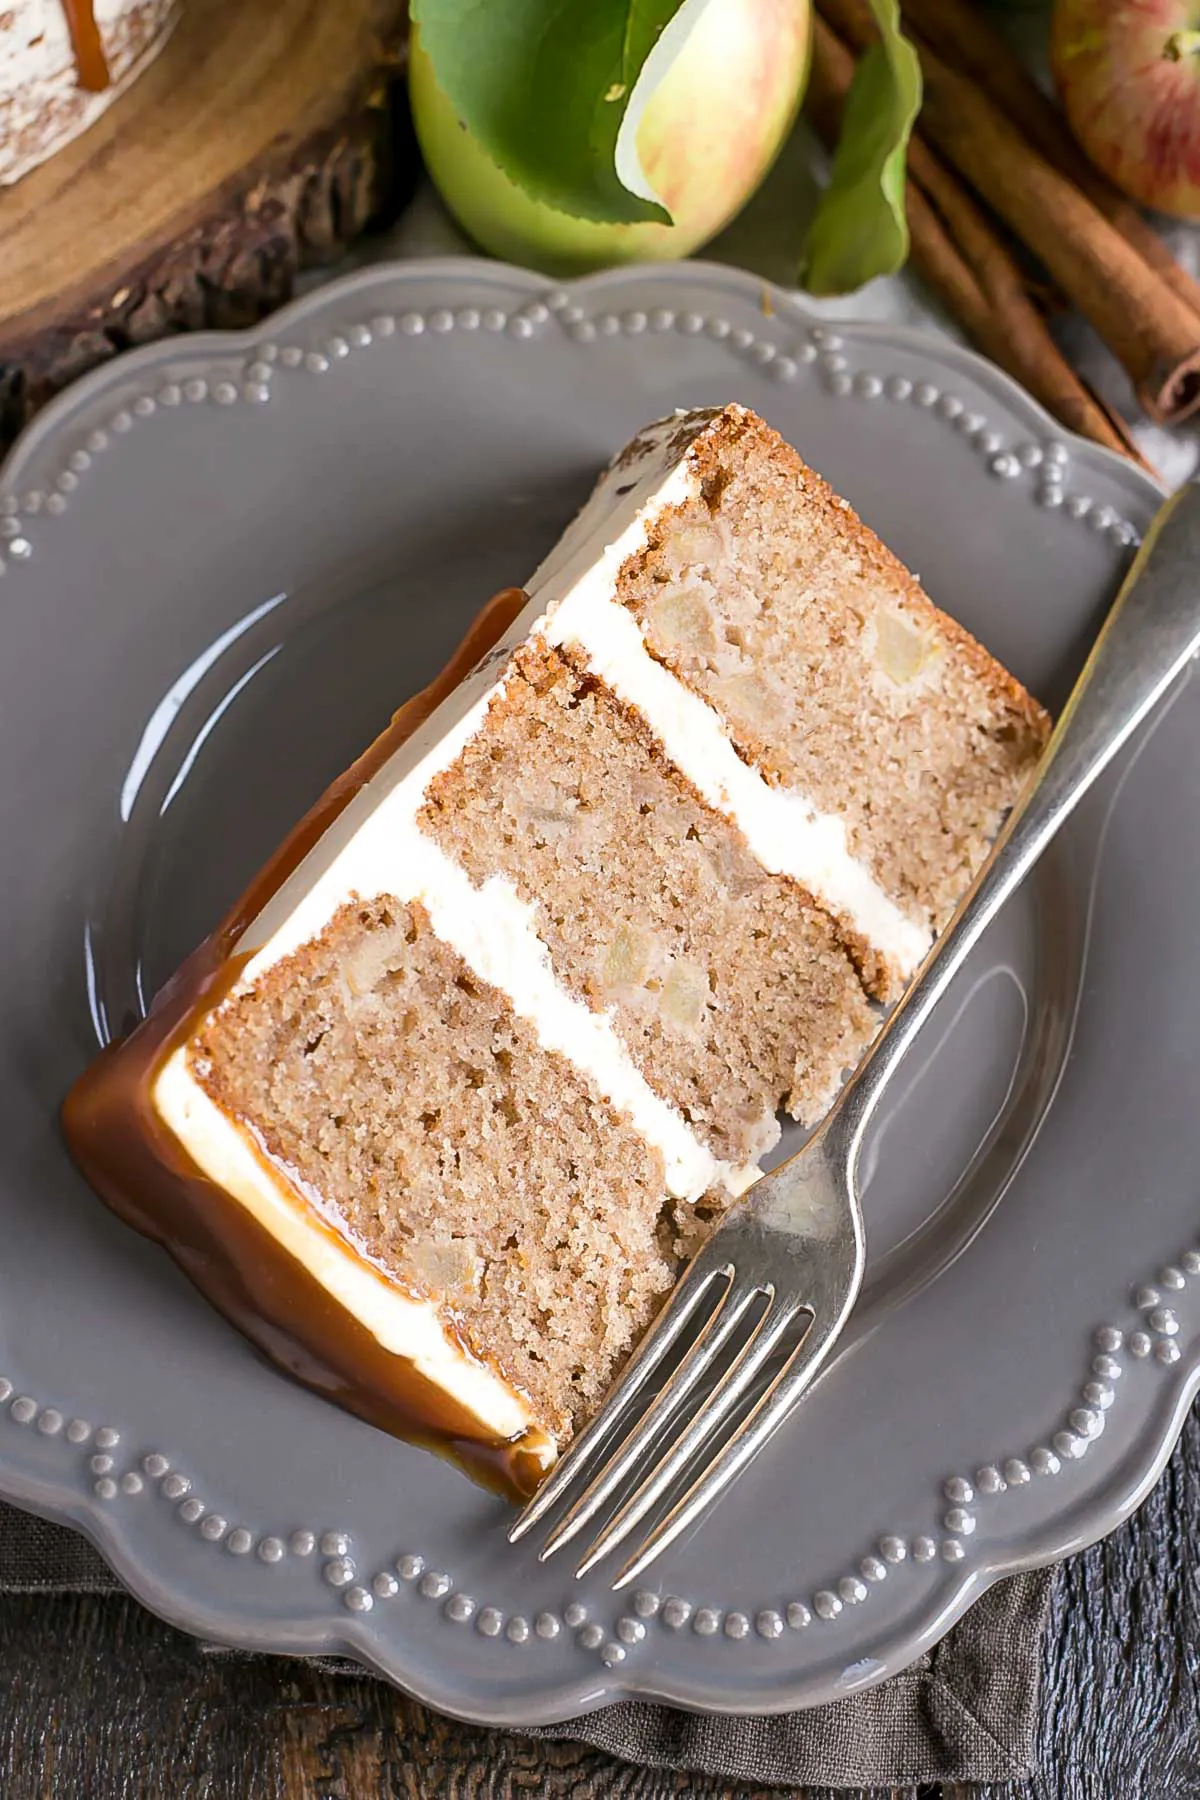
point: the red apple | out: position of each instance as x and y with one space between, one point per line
1128 72
710 131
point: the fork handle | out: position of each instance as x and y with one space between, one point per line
1150 634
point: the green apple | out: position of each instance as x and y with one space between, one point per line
710 131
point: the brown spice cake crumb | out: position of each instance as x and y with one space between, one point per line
835 673
423 1117
729 986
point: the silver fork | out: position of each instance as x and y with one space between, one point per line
792 1249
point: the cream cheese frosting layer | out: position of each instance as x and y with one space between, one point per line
405 1326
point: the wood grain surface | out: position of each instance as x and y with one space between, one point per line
266 136
99 1701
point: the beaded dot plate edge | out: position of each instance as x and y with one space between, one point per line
116 1479
789 346
1045 462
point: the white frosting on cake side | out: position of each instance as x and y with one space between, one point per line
42 105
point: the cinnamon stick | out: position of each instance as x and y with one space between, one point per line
960 257
1153 333
1020 339
963 36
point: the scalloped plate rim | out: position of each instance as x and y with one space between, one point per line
957 1589
454 268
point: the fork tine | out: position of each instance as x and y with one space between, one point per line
768 1411
717 1405
701 1353
697 1281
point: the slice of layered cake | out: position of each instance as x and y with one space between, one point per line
511 1017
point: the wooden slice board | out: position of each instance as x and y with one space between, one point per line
265 137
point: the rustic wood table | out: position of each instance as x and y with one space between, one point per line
99 1701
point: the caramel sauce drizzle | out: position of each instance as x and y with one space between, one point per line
91 64
144 1174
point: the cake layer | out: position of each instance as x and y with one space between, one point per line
416 1113
835 675
729 987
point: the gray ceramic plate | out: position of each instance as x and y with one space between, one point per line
226 560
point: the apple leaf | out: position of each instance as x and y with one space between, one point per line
860 229
553 90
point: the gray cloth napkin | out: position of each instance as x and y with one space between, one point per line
965 1712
